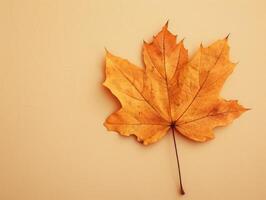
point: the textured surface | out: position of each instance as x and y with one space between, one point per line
53 145
172 91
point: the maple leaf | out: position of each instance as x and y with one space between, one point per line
171 92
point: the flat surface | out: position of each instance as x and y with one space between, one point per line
53 145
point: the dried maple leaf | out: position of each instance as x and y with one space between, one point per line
171 92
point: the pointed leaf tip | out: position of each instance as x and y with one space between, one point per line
108 54
226 38
165 27
166 24
106 50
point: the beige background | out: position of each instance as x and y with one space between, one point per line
53 145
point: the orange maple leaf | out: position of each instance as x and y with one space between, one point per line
171 92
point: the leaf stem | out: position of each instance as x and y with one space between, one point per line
178 165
